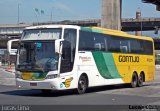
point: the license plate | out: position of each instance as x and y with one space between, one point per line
33 84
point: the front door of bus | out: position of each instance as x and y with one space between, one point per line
67 57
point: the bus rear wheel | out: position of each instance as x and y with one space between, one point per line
82 85
134 81
140 80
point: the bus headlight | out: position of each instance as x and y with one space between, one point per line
52 76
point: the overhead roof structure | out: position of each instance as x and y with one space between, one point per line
156 2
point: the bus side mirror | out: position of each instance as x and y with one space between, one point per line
9 46
58 46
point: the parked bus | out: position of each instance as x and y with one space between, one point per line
61 57
158 61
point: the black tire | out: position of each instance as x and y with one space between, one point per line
140 80
82 85
134 81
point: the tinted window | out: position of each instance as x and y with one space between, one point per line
118 44
113 44
99 42
148 47
125 45
90 41
136 46
86 41
141 47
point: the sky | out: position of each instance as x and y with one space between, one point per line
41 10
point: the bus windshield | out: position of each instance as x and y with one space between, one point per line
37 56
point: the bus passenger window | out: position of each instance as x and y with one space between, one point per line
136 47
124 46
99 47
99 42
114 44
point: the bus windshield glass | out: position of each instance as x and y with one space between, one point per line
42 34
37 56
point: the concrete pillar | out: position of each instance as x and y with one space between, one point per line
111 14
138 17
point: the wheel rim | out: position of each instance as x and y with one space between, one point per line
141 80
134 81
82 85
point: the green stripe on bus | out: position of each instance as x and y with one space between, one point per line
86 29
91 29
106 65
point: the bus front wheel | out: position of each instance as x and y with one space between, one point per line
134 81
82 85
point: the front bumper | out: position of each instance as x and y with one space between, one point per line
45 84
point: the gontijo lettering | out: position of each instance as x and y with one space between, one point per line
128 58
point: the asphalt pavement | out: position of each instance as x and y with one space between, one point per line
7 78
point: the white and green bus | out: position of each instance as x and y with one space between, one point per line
61 57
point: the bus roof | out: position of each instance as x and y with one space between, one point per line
52 26
114 33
